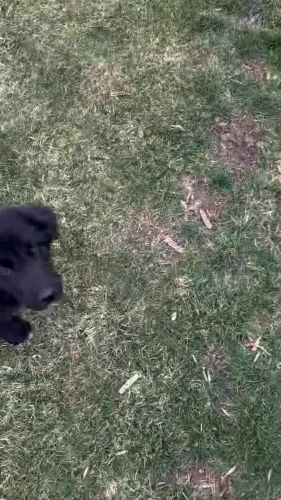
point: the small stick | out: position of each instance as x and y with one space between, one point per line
169 241
205 218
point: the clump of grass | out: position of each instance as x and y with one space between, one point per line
222 181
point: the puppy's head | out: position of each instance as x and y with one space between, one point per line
26 273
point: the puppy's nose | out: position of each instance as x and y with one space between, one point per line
47 296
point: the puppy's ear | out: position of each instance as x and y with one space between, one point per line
43 221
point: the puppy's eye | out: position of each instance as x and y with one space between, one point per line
6 263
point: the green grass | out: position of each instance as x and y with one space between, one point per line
106 106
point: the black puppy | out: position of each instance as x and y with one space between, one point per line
26 275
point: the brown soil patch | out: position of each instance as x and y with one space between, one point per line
215 359
201 478
198 197
238 141
153 229
156 233
146 232
257 70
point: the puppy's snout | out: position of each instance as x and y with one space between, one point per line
47 296
51 294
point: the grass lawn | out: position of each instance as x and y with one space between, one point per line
153 128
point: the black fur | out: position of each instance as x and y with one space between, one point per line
26 275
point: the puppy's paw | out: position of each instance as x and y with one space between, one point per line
15 331
21 331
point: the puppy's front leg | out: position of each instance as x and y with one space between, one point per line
14 330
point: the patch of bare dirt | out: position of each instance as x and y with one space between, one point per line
201 202
215 359
238 141
203 479
146 231
157 233
257 70
105 82
153 228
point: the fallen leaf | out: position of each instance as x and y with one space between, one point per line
85 472
174 316
230 471
257 356
184 205
225 412
129 383
194 359
205 218
207 375
178 127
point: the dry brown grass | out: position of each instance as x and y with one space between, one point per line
105 83
258 70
